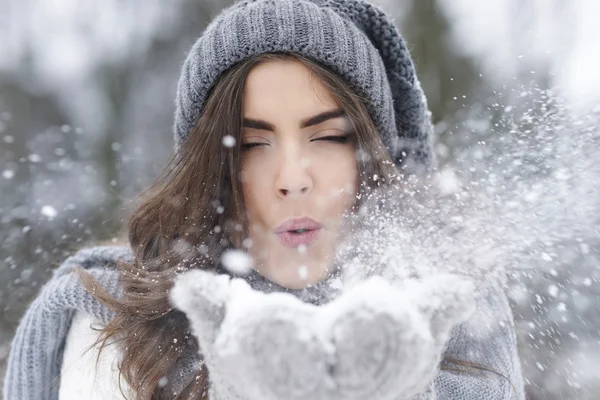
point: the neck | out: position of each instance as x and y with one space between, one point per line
317 294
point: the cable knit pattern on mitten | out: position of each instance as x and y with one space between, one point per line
374 341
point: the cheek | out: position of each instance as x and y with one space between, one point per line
338 180
254 186
339 170
253 166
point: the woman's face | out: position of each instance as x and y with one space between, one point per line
298 172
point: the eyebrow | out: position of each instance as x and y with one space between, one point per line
314 120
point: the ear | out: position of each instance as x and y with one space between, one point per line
203 297
445 300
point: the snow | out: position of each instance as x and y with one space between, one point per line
162 382
303 272
48 211
228 141
237 262
34 158
271 346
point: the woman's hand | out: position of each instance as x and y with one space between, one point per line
375 341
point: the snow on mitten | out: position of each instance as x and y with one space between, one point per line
445 300
375 341
272 341
203 297
256 346
389 340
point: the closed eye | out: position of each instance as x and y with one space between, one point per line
248 146
335 139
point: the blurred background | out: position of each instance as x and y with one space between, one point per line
87 98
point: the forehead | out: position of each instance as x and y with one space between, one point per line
285 87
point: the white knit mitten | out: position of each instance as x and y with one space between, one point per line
374 341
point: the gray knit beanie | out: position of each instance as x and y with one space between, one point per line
355 39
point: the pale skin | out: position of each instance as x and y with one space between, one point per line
294 165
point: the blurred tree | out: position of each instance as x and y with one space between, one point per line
451 80
446 75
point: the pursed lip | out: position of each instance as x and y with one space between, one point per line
298 223
307 236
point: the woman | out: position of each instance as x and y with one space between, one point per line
288 113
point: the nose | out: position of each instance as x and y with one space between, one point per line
294 176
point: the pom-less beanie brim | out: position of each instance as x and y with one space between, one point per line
354 39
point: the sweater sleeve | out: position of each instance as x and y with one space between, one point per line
487 339
36 350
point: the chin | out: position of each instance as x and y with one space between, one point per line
283 265
295 277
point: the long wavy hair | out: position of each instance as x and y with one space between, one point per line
189 216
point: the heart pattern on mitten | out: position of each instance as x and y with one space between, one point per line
374 341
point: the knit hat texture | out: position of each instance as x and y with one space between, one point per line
353 38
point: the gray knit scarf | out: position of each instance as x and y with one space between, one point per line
34 363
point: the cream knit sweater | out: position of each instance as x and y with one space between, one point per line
83 374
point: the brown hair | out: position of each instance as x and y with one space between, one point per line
190 215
